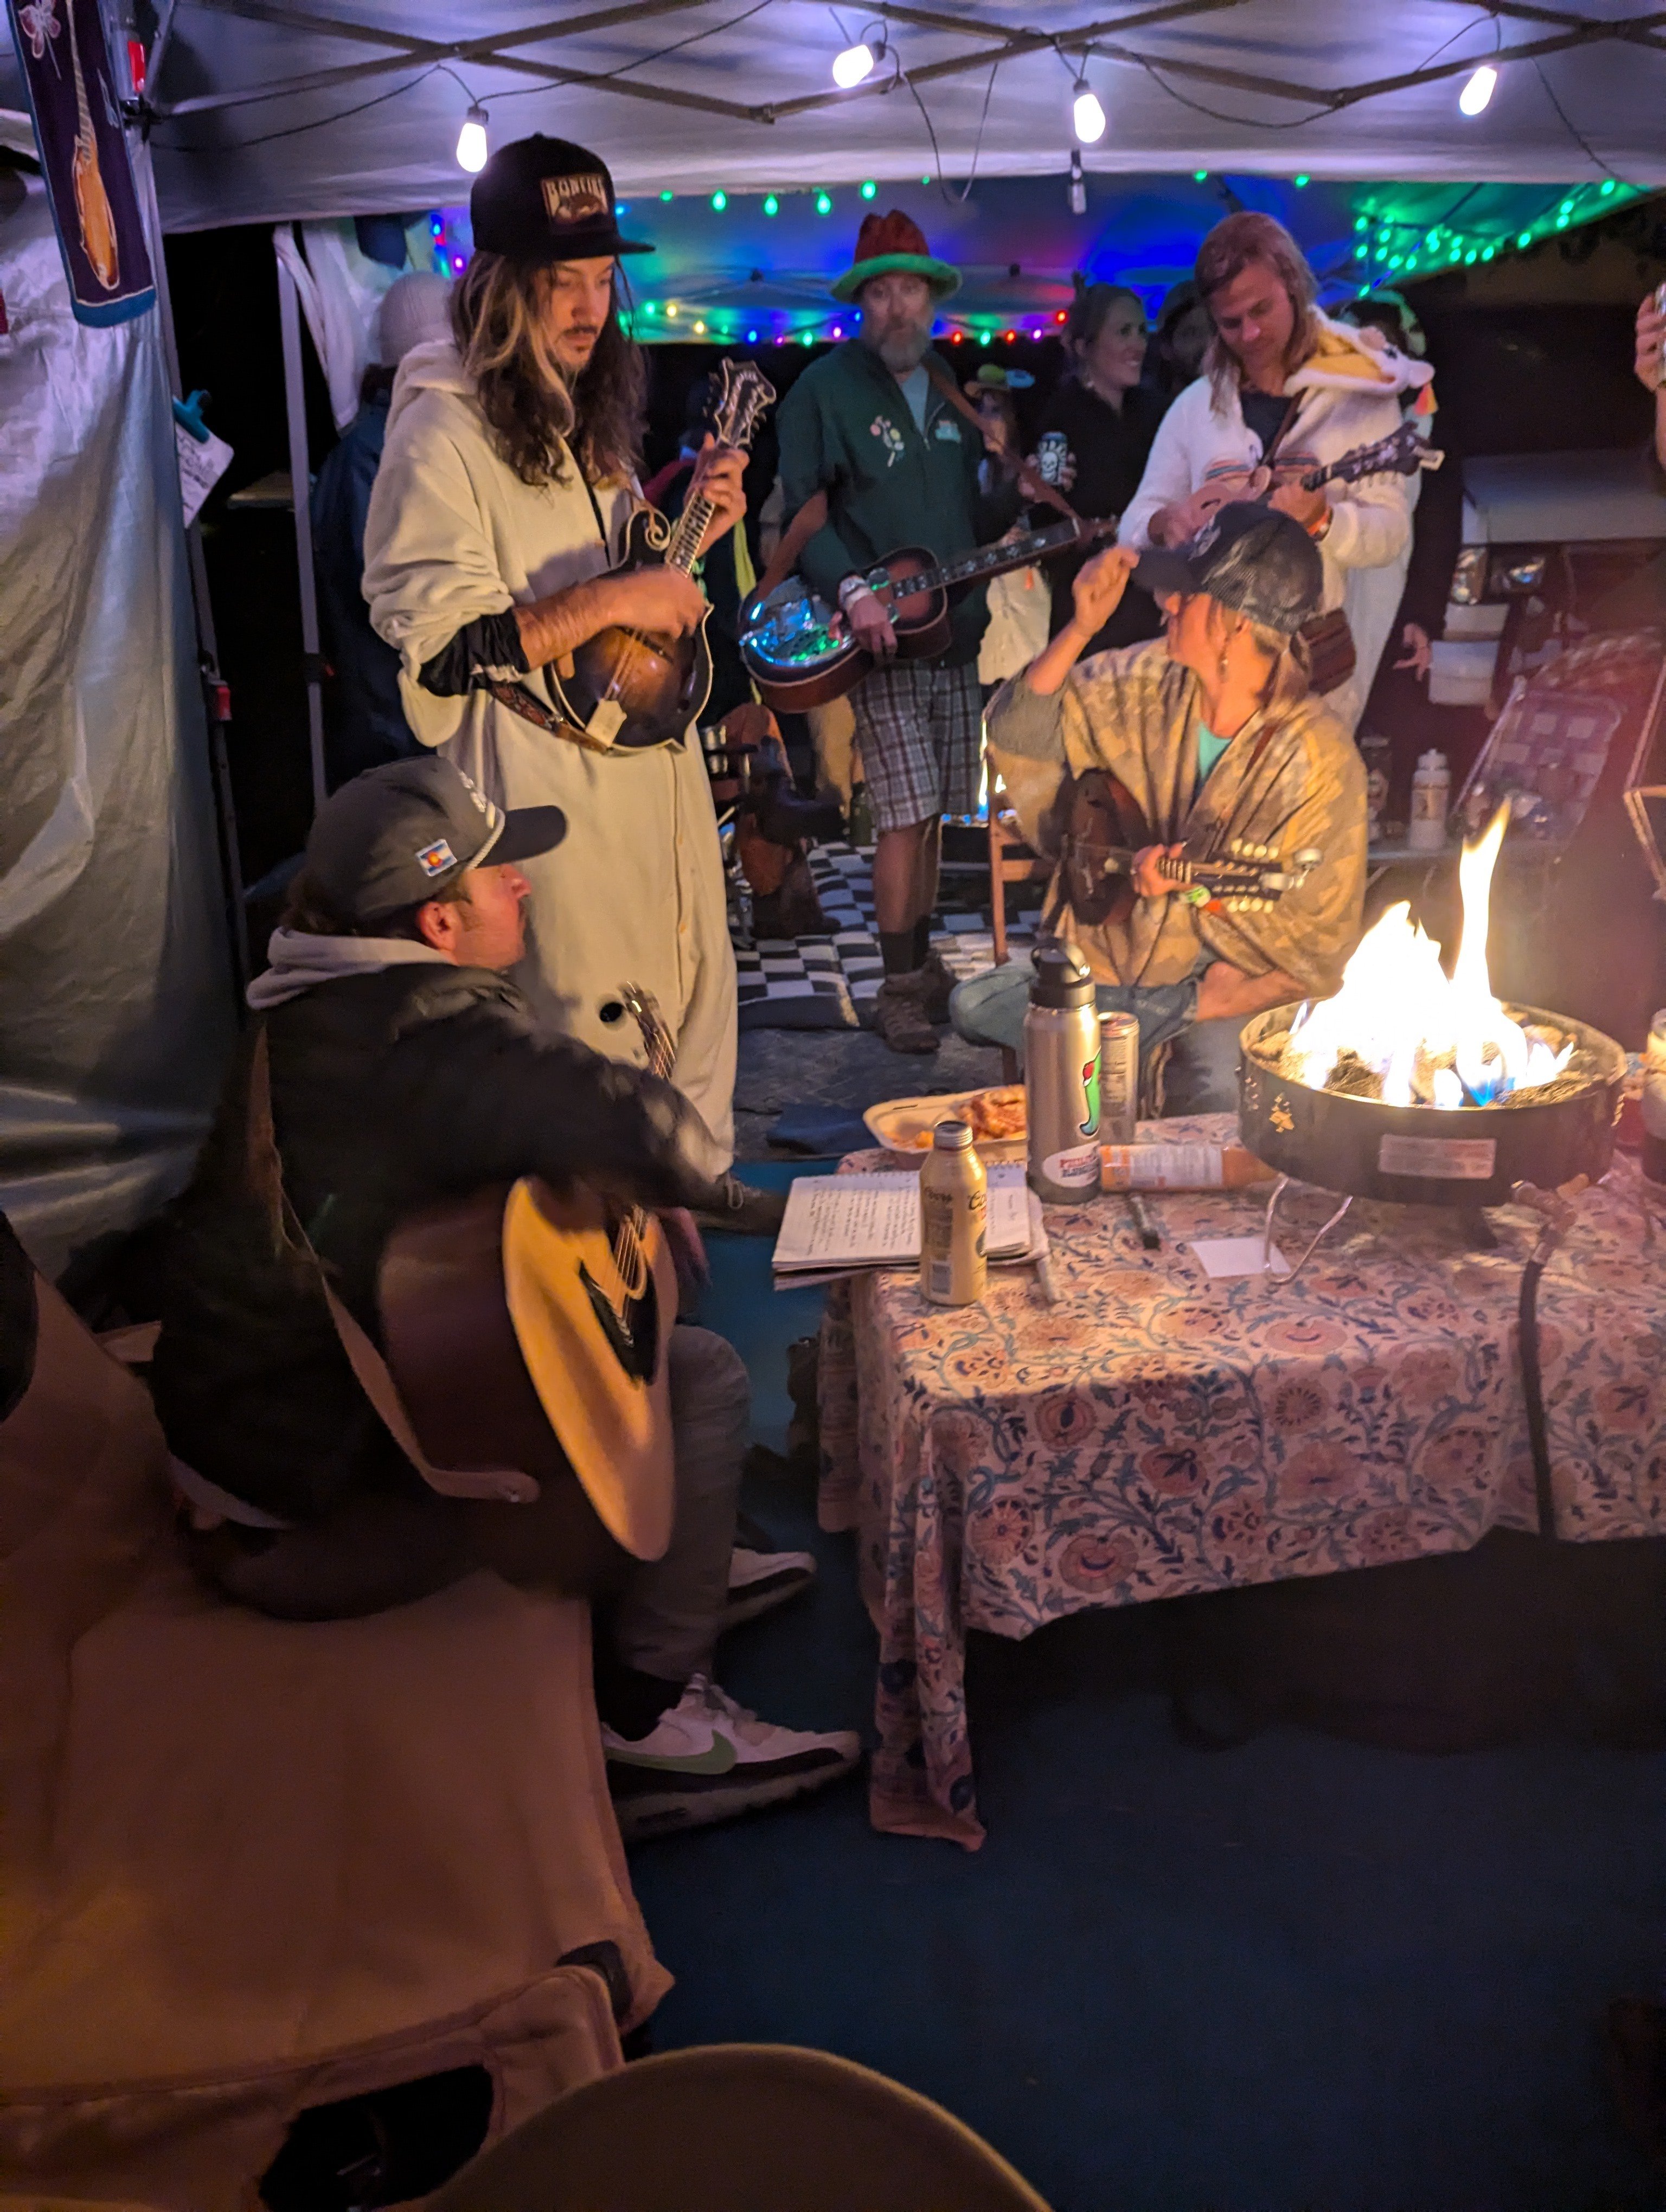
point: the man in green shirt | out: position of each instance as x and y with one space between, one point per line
872 427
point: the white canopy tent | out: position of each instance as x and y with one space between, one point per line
265 110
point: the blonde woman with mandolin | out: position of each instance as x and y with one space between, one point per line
1285 391
550 636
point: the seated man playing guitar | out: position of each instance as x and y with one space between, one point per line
393 1075
1152 772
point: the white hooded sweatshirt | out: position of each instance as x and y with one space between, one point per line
634 893
1349 396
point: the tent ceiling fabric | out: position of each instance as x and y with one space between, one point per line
267 111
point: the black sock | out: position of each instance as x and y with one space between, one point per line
923 939
627 1701
896 950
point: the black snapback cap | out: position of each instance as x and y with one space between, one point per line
1251 559
404 832
546 199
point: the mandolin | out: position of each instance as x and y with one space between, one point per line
1402 453
626 688
798 653
96 220
1105 828
528 1329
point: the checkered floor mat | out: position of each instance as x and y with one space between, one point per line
828 982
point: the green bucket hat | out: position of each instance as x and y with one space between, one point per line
895 241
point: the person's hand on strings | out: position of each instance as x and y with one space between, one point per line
1149 881
1310 509
717 476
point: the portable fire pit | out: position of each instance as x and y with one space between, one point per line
1466 1156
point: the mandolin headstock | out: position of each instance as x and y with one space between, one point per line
1401 455
743 394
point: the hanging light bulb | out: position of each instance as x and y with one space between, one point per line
1087 114
471 147
856 62
1479 90
1077 183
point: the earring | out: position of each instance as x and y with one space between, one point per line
1223 666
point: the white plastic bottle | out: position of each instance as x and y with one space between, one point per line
1431 790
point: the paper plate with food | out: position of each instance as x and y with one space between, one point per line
1000 1131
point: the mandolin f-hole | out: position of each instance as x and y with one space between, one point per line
636 1343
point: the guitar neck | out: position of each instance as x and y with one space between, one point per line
998 560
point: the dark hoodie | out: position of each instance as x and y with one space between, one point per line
390 1091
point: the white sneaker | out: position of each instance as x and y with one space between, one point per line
760 1581
707 1758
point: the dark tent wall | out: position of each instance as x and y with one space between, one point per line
116 1007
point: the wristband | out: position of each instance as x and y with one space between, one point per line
854 587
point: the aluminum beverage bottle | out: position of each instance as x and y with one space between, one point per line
1119 1079
954 1205
1061 1076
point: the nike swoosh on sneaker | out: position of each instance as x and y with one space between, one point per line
719 1756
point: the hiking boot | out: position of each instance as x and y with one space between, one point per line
900 1017
709 1758
931 983
759 1580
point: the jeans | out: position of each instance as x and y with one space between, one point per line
1202 1073
389 1547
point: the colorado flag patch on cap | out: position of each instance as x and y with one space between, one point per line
434 859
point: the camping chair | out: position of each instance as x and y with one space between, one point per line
1010 861
740 2127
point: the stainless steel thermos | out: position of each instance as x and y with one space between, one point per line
1061 1075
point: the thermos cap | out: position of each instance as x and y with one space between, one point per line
1062 976
953 1136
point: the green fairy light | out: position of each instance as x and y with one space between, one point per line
667 196
1526 239
1566 208
720 201
823 204
869 189
1562 221
1362 253
1487 251
771 204
1608 186
1362 222
1199 176
1393 261
1302 183
1469 257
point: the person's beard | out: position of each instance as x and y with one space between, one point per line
574 350
902 346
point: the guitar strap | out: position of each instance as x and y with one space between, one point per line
813 515
1329 642
505 1486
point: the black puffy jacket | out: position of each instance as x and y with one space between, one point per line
389 1092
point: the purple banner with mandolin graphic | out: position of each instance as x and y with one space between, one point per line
83 153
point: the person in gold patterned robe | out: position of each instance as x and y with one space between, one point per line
1214 733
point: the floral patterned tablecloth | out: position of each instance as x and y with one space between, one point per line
1157 1433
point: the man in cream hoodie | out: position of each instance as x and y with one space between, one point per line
507 474
1280 372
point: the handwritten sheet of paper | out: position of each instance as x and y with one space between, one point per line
1223 1256
835 1222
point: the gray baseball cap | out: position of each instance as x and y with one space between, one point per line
404 832
1251 559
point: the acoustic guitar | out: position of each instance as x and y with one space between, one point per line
629 687
93 210
527 1330
799 653
1105 828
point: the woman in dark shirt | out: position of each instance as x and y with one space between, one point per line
1109 420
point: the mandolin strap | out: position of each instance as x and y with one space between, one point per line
506 1486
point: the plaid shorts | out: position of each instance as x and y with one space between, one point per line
920 732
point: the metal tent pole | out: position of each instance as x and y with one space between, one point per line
216 693
301 478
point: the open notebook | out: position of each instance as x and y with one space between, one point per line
835 1223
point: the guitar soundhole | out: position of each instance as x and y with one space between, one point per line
635 1343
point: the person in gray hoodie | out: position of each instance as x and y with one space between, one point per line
393 1066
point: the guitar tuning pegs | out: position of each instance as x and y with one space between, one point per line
1235 847
1309 857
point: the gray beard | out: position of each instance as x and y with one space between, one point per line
902 356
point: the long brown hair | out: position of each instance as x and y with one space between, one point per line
1090 310
534 416
1226 253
